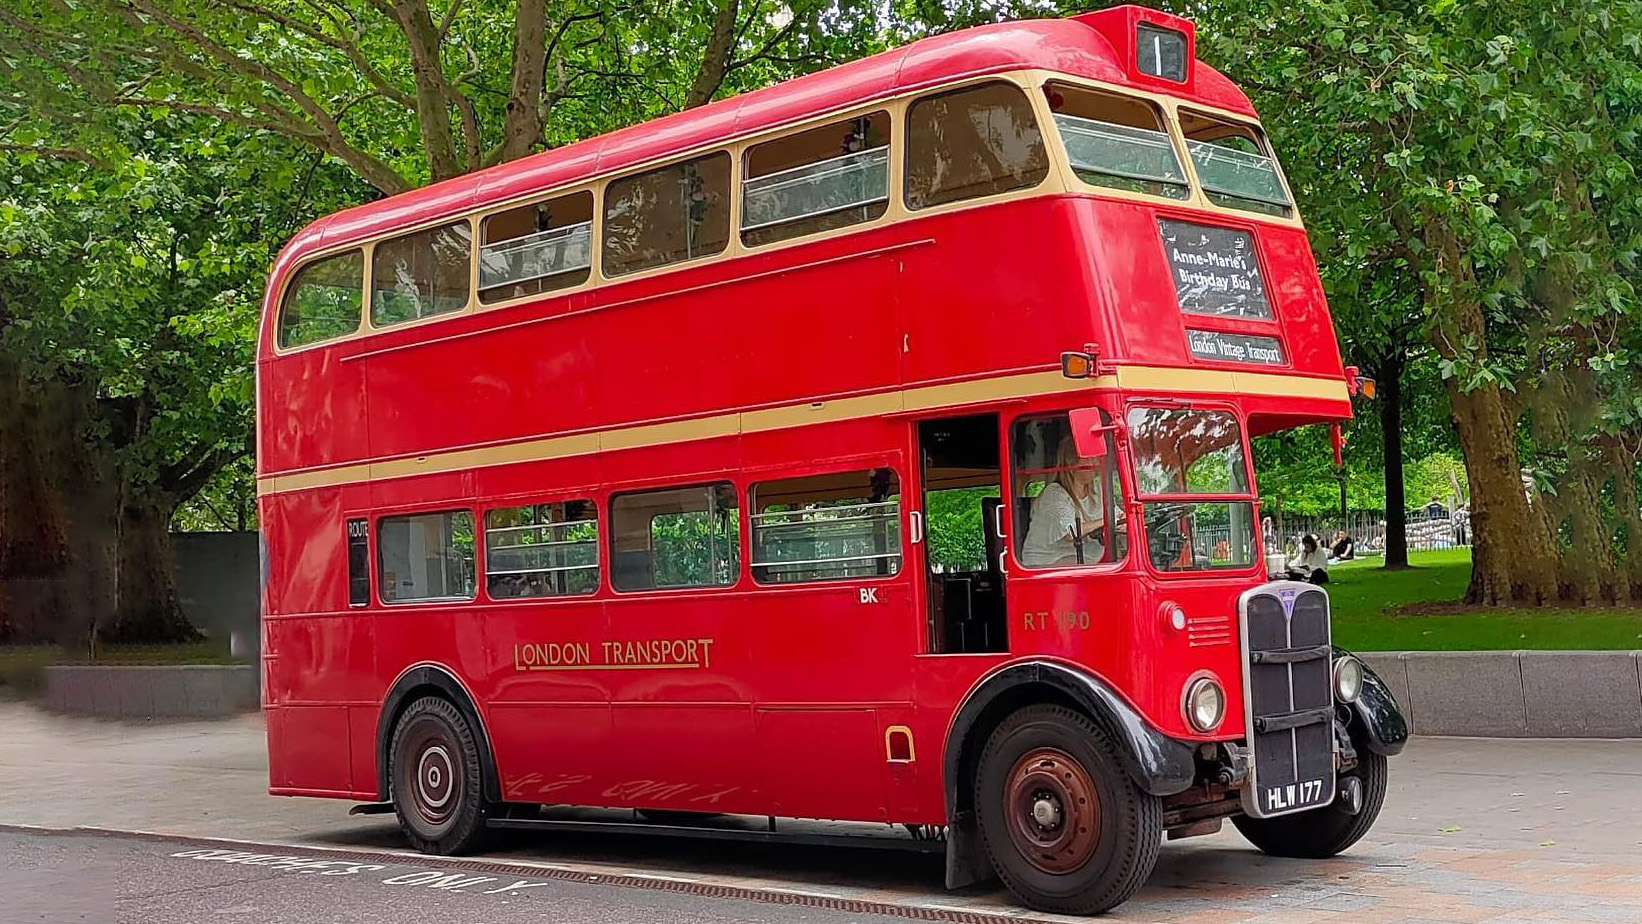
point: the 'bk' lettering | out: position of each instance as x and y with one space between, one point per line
869 595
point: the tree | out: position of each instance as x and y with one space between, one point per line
1494 147
402 91
129 296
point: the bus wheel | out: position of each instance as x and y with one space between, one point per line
437 781
1065 827
1322 833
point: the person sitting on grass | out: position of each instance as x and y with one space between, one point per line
1310 562
1345 547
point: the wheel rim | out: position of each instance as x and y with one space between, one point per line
1053 810
436 779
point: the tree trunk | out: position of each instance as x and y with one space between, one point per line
1389 377
1511 557
148 610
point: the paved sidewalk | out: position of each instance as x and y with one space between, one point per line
1487 831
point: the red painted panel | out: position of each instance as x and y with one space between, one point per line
823 763
308 748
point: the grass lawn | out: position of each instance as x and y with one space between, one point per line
1419 610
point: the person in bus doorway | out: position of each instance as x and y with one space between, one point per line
1067 518
1310 561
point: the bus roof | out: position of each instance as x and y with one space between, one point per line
1080 46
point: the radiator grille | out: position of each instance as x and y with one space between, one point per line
1289 698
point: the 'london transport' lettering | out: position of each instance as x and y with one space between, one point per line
655 653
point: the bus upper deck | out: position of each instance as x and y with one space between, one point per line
1135 215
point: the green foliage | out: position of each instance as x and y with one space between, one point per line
957 530
406 91
143 279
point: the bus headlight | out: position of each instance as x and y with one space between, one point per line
1348 679
1204 703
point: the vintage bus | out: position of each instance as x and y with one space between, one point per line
871 447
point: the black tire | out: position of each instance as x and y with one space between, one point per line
1325 832
1051 754
437 779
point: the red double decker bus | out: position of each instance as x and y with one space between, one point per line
871 447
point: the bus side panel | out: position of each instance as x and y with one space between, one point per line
309 409
1008 308
307 551
549 717
683 735
943 681
308 752
824 322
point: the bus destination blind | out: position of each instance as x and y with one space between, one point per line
1215 270
1221 347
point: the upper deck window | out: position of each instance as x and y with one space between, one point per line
817 180
667 215
421 274
1234 165
323 300
977 141
536 248
1117 142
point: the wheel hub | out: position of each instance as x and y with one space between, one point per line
432 773
1053 810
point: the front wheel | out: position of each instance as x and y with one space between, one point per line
1321 833
1065 827
437 780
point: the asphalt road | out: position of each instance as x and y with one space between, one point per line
70 878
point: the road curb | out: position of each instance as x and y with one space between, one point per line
1516 694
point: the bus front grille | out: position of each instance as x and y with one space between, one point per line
1288 698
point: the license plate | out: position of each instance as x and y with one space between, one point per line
1275 800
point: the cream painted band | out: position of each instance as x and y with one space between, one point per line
924 398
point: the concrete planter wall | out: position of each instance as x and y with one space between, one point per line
1517 694
176 692
1490 694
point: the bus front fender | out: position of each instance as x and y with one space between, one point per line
1158 764
1375 715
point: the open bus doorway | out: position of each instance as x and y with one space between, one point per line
963 547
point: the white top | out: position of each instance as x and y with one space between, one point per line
1309 561
1055 515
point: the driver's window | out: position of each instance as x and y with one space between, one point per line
1068 508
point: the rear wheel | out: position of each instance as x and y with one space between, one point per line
1322 833
438 779
1065 827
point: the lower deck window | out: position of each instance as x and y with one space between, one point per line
677 537
827 527
542 550
425 556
